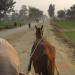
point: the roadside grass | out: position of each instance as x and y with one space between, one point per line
66 24
4 24
71 36
8 24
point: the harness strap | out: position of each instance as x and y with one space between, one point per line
35 48
57 70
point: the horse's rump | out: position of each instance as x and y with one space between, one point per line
9 60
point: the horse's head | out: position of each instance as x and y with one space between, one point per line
39 32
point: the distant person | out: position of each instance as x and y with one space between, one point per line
15 24
29 25
37 20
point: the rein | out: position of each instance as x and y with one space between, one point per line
57 70
35 48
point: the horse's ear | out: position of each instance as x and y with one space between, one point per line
35 27
41 27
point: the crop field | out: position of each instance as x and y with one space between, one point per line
71 35
69 27
9 24
4 24
66 24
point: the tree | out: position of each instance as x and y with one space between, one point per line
68 14
61 13
6 6
23 12
71 12
51 10
15 15
35 13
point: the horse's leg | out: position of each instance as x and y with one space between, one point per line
44 63
37 68
52 66
48 66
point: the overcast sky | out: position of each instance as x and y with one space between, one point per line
44 4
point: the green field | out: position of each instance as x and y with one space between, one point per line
8 24
4 24
66 24
71 35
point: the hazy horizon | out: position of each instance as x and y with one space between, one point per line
44 4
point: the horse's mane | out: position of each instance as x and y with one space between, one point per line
4 44
2 41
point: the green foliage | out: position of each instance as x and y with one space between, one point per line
61 13
51 10
20 16
15 16
6 6
71 12
23 11
35 13
68 13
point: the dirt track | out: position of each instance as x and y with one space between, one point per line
24 39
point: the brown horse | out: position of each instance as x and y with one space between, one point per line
42 55
9 60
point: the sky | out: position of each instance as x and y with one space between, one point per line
44 4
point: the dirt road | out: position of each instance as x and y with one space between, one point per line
23 40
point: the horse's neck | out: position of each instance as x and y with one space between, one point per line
39 41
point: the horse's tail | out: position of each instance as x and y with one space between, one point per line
44 64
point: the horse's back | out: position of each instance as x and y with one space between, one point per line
47 48
9 60
51 50
43 48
